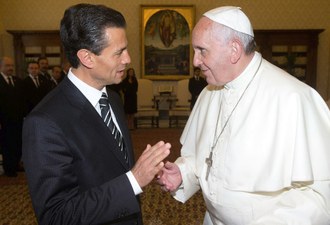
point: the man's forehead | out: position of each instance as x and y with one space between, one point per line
33 65
7 61
204 23
202 29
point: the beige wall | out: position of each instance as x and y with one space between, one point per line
264 14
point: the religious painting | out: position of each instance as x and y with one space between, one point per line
166 41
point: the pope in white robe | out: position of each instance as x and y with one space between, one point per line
270 164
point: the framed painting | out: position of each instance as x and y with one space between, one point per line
166 41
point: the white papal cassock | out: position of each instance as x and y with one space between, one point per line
271 165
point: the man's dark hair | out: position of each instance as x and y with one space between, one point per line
42 58
83 27
197 69
31 62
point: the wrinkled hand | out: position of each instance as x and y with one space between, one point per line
150 162
170 177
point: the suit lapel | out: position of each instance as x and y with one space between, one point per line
89 115
3 82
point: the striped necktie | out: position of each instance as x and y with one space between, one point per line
106 116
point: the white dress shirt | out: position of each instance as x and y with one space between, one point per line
8 79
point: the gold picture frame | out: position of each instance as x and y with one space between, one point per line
166 48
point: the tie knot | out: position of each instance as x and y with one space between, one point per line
103 100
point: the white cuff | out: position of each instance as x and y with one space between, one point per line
135 185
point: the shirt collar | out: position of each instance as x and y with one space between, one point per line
92 94
4 75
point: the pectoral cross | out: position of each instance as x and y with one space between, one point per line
209 165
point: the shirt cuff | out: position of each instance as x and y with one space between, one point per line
135 185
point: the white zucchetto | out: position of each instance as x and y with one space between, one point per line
232 17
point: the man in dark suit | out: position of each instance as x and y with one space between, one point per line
44 75
11 117
43 67
57 76
76 170
196 84
34 86
65 68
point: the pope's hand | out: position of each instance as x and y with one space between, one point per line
170 177
150 163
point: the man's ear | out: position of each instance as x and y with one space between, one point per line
236 51
86 58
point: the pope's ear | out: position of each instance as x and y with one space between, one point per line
86 58
236 51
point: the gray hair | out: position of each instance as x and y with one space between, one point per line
226 34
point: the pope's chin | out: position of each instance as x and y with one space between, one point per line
208 79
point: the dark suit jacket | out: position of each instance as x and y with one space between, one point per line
75 172
195 88
32 94
11 120
63 75
11 103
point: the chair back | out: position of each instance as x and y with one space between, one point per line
147 110
145 96
183 94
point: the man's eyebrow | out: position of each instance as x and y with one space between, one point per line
198 47
121 50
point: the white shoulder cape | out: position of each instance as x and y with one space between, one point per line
278 134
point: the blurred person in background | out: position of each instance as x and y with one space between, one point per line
11 117
130 87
